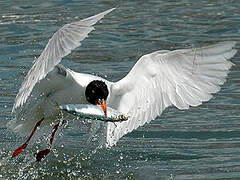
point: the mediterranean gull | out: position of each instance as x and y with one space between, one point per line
180 78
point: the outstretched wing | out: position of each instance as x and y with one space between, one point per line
63 41
161 79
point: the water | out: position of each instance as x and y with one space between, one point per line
201 143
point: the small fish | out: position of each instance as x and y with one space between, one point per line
94 112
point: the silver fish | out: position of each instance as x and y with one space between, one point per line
94 112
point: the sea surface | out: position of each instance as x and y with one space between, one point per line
200 143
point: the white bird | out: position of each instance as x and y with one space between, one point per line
180 78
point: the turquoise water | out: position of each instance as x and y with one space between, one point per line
201 143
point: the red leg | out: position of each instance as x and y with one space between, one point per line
45 152
20 149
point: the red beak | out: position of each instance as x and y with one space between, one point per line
103 105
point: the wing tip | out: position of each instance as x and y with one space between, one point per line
90 21
110 10
231 44
234 52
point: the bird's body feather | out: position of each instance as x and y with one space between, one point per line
60 86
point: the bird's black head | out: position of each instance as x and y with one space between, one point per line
96 91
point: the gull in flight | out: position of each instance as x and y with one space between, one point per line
180 78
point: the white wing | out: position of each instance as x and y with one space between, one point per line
63 41
161 79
